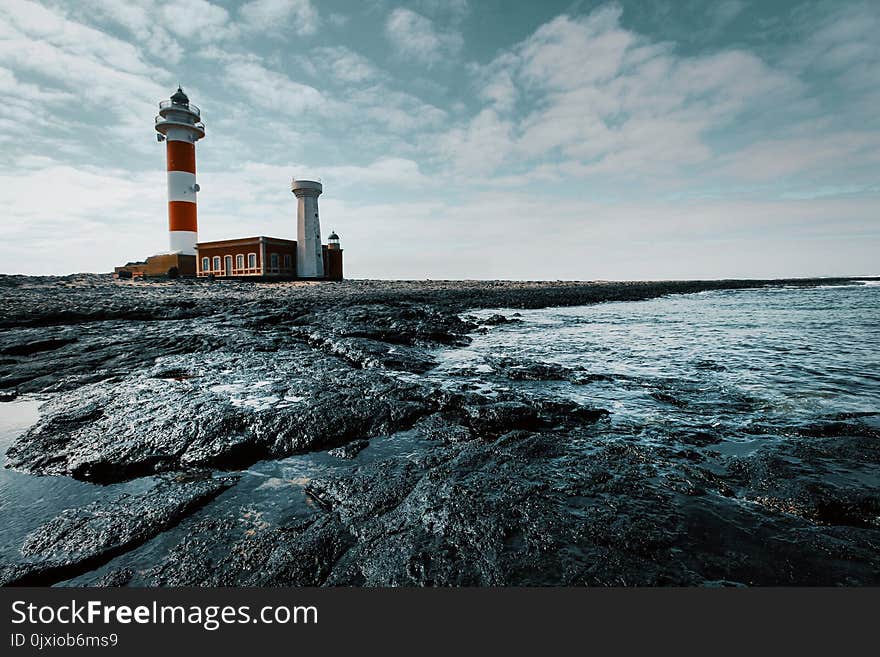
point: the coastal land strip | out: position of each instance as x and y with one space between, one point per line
191 383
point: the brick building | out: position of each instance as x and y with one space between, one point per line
247 257
261 257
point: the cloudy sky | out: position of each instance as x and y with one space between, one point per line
454 138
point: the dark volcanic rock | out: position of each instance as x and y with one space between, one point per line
530 507
350 450
497 319
605 517
520 510
367 353
393 336
805 478
115 578
494 419
523 370
243 551
80 539
493 488
121 327
411 324
566 412
444 427
35 346
239 411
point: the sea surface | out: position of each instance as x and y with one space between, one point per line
722 361
741 367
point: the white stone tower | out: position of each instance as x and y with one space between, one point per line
309 254
179 122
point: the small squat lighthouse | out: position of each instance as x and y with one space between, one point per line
179 123
334 258
309 252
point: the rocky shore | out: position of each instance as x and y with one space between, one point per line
192 382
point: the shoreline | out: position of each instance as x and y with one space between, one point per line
47 301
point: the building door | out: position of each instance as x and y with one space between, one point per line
227 266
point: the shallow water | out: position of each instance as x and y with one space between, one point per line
731 362
739 368
27 501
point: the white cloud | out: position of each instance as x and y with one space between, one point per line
197 20
385 171
480 147
275 90
347 88
593 97
343 65
783 158
68 57
30 30
105 216
273 15
14 91
496 83
138 17
840 40
397 111
415 36
566 52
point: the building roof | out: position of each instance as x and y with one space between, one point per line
179 97
246 240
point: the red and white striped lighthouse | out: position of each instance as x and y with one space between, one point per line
179 124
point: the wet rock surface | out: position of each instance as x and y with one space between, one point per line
520 370
80 539
427 483
528 508
226 411
806 478
350 450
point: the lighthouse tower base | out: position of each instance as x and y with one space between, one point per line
165 265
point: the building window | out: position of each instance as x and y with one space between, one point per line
227 265
216 263
273 262
252 260
206 264
287 261
239 261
